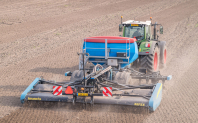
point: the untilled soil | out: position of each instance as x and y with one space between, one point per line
42 38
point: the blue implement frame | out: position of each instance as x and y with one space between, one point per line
156 97
28 89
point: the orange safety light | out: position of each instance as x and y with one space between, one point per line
68 90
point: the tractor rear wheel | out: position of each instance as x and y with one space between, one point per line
151 61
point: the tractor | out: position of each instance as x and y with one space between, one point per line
151 51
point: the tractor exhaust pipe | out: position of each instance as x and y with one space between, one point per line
154 32
120 25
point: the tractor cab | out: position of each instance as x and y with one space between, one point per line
137 29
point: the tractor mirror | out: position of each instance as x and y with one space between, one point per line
120 27
161 29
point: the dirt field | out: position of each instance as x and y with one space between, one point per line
42 38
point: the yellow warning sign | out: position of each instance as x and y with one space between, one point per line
83 94
134 25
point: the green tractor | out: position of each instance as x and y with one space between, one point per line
152 52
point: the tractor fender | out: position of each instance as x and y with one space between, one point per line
152 48
161 44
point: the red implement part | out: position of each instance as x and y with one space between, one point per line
57 90
107 91
68 90
110 39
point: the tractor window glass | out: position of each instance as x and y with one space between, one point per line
134 31
146 29
148 32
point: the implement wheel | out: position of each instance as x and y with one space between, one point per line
151 61
76 75
123 78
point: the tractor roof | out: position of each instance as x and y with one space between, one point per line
137 22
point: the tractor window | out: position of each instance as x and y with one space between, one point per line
134 31
148 32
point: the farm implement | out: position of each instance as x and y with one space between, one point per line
108 80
